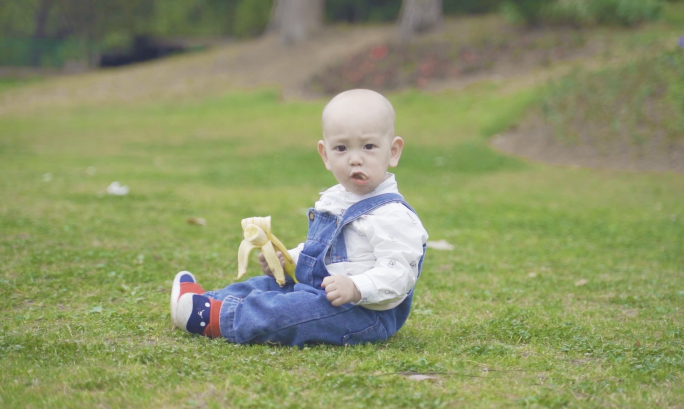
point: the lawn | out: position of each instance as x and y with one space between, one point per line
565 287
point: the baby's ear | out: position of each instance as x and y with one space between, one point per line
395 151
323 153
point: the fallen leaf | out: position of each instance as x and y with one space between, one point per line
581 282
440 245
197 221
419 377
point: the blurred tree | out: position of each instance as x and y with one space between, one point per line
40 29
251 17
417 16
296 20
357 11
34 30
529 12
471 6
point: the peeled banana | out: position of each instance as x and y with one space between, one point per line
257 232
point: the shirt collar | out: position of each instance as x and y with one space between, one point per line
336 199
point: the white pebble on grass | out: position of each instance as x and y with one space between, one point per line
115 188
440 245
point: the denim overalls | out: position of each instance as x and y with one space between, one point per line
259 311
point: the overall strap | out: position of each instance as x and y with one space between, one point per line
358 209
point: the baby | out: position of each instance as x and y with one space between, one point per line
361 259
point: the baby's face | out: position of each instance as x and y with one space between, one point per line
358 140
359 161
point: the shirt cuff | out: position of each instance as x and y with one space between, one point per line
366 287
294 253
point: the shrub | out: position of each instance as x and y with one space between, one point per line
355 11
527 12
471 7
582 13
251 17
631 12
577 13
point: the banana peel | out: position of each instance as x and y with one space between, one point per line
258 235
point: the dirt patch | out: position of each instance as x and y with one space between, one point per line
626 117
447 60
535 139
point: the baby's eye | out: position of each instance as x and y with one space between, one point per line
340 148
368 146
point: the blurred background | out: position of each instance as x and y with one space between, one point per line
71 33
611 68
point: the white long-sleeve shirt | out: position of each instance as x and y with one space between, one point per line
383 247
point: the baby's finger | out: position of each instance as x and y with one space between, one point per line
330 288
332 297
337 301
326 281
264 265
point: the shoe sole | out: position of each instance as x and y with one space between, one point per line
175 295
184 308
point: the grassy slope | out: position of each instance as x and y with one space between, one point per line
85 277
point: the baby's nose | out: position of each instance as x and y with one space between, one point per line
355 159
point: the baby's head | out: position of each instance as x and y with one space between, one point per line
359 143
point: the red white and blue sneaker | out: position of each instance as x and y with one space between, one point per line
183 283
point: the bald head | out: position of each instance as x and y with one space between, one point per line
359 111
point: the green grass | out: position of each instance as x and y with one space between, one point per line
85 277
632 102
7 83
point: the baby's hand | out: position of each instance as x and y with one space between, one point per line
264 265
340 290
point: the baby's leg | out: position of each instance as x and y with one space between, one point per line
244 288
298 317
198 312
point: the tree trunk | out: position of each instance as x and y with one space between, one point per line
39 32
417 16
296 20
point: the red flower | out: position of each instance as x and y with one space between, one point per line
427 67
378 53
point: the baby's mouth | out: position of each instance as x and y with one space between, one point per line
359 176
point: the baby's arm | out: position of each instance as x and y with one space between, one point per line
397 237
